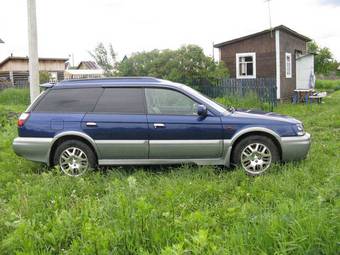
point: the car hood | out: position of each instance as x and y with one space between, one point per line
264 116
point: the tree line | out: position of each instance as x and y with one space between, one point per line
188 64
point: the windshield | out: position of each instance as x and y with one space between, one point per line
204 98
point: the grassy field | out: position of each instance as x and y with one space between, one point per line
293 209
329 85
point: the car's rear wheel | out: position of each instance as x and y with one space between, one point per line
255 154
74 158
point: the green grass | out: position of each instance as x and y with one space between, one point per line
14 96
249 101
329 85
293 209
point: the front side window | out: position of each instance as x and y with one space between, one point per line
69 100
169 102
245 65
121 101
288 65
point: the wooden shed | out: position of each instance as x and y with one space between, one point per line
271 53
15 69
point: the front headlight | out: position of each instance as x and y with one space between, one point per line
300 129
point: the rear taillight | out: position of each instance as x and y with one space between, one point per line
23 118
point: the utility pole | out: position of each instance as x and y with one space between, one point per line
33 61
213 51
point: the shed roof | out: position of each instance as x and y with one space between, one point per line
89 65
306 55
281 27
10 58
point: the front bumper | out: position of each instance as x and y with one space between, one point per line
32 148
295 147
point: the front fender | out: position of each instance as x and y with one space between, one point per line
256 129
229 143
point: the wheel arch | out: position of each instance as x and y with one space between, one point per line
256 131
57 140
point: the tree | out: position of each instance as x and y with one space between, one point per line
187 64
44 77
324 61
105 58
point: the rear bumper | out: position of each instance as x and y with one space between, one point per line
295 148
32 148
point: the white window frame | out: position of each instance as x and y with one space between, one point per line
246 54
289 68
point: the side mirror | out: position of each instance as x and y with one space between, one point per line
202 110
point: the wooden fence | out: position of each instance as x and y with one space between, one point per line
263 88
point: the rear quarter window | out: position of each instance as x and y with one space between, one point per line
36 101
69 100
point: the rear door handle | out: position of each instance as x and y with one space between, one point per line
159 125
91 124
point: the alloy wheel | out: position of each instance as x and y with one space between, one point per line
256 158
73 161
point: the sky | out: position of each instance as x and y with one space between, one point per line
73 27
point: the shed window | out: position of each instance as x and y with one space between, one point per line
288 65
246 65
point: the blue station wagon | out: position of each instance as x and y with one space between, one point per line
80 124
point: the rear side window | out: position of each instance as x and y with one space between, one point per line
121 101
69 100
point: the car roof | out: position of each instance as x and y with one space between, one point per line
116 81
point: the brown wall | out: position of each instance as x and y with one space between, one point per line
262 45
289 44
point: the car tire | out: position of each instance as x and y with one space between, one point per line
74 157
255 154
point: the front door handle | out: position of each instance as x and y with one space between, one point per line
91 124
159 125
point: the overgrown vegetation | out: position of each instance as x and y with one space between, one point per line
293 209
14 96
250 101
329 85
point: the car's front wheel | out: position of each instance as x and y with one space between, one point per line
255 154
74 157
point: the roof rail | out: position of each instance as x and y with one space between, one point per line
113 80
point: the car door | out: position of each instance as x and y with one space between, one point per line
177 131
118 124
